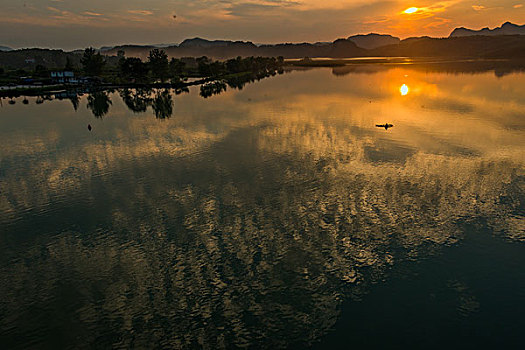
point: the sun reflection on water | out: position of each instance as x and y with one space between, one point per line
404 89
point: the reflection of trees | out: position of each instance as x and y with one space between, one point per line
500 68
162 104
70 95
213 88
239 81
181 90
259 68
136 100
99 103
75 101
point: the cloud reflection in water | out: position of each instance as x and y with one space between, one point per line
246 219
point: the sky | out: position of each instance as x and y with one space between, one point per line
72 24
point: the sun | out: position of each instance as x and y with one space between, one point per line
411 10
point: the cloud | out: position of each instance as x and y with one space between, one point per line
88 13
268 21
54 9
141 12
265 8
438 22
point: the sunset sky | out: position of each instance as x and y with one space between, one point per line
72 24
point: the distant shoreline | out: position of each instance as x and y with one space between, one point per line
471 65
337 62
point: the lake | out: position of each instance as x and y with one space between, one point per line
281 215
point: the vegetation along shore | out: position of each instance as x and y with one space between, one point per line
95 71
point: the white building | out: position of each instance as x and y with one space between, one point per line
63 77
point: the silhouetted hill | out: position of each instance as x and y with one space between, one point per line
203 43
339 48
5 48
500 46
495 46
222 49
372 40
507 28
505 46
30 58
141 51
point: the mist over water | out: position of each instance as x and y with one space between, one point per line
273 216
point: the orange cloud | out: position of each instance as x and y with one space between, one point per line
140 12
87 13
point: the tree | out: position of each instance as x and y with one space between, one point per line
159 65
92 61
69 65
176 67
204 68
235 65
41 71
216 68
133 68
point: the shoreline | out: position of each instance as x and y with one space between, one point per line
59 88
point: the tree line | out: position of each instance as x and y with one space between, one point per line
156 68
159 68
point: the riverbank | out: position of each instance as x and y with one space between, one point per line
37 90
57 88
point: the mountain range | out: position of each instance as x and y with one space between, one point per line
502 42
356 45
506 28
373 40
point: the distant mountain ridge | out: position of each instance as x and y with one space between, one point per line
199 42
354 45
503 46
223 49
5 48
458 46
373 40
506 28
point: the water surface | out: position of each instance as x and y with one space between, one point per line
274 216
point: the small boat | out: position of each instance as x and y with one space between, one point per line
386 126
